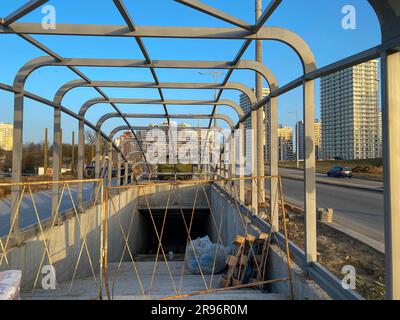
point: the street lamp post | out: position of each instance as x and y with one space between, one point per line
297 138
215 75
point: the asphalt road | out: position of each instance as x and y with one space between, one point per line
357 182
355 209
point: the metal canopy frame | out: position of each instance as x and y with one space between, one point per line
387 12
115 131
233 105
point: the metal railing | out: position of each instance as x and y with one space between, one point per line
33 219
142 199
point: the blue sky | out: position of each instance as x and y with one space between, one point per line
317 21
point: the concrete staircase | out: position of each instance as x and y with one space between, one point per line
125 285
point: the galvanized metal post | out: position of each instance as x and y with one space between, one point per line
110 163
310 206
222 160
391 139
98 151
219 170
17 163
61 146
92 150
126 165
233 164
260 115
73 167
81 161
241 162
224 157
253 154
233 152
273 163
119 160
56 160
46 151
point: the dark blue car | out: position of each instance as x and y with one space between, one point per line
340 172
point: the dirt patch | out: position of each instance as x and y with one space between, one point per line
336 250
370 170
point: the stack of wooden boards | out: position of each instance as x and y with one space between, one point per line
248 262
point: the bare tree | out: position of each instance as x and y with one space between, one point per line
90 136
5 160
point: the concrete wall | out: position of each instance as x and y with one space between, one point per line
304 289
65 240
183 196
226 218
65 245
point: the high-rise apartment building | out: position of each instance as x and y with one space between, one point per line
349 113
285 143
6 136
246 106
380 135
300 139
317 137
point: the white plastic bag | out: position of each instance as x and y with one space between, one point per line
10 282
202 254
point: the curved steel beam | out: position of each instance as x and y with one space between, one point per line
163 85
25 71
163 116
266 33
40 62
31 66
52 104
388 13
226 102
144 128
18 89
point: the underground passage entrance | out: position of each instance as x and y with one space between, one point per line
174 233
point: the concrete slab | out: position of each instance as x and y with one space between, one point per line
125 285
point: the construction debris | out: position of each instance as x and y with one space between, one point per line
248 262
204 257
325 215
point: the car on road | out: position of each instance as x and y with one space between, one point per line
340 172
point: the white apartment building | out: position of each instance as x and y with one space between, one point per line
317 139
285 143
246 106
6 136
349 113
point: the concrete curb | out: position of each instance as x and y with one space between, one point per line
350 186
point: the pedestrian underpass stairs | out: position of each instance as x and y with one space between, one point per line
134 280
126 285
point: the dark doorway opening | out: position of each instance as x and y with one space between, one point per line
175 234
